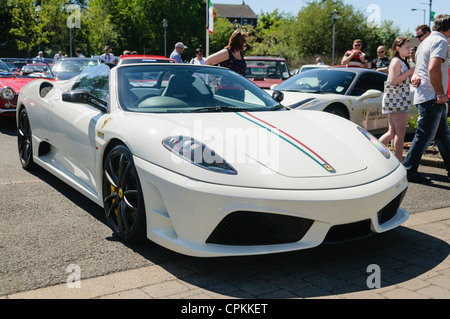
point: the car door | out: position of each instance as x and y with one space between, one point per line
368 111
73 128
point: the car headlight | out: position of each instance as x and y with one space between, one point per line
7 93
380 146
198 154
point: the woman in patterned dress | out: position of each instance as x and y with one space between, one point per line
399 72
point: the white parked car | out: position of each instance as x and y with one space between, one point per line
308 67
353 93
201 161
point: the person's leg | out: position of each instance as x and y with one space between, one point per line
399 121
427 125
442 138
389 135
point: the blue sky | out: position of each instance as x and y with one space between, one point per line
398 11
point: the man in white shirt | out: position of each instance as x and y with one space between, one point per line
107 57
58 56
431 80
40 56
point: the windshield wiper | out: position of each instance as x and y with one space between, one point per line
278 107
221 109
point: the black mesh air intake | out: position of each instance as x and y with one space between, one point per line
388 211
255 228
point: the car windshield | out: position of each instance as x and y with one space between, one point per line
270 69
95 80
174 88
321 81
74 65
4 69
30 68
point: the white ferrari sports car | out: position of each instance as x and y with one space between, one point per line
203 162
353 93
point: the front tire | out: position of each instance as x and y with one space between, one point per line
24 141
338 110
122 196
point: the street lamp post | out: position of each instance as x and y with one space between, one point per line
335 13
424 13
165 25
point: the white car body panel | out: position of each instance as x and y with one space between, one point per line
281 158
364 110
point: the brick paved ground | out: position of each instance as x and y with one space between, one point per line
413 262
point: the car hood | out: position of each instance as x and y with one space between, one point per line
283 149
15 83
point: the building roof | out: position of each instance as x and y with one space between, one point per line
235 11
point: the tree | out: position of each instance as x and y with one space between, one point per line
25 25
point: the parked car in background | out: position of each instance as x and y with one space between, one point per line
140 58
14 74
308 67
170 156
352 93
67 68
266 71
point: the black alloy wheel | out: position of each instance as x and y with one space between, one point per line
122 196
24 141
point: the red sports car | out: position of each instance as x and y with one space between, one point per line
266 71
14 74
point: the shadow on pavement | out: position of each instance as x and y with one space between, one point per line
401 254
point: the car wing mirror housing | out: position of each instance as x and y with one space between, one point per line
278 96
85 97
370 94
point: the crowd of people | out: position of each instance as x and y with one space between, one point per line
426 68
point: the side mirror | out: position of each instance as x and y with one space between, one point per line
85 97
278 96
370 94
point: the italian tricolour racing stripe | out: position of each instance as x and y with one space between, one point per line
289 139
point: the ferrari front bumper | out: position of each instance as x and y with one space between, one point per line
204 219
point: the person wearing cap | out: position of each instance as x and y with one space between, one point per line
176 54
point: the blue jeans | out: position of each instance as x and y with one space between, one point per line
432 124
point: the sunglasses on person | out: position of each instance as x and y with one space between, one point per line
420 35
380 51
200 53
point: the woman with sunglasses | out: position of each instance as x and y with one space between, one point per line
355 57
198 57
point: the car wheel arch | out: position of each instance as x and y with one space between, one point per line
339 109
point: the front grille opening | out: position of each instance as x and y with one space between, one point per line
347 232
256 228
389 211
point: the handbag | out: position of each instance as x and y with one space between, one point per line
396 98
